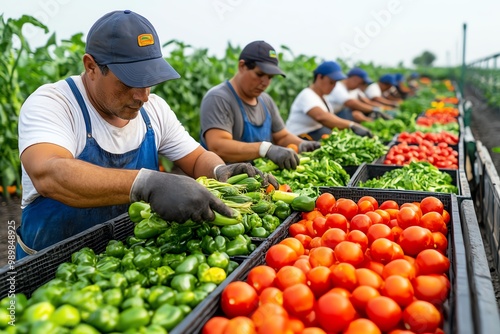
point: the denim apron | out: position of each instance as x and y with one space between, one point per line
46 221
251 133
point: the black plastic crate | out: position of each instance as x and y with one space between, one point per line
485 307
370 171
458 315
33 271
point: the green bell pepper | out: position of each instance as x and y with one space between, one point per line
303 203
231 231
194 246
128 260
132 302
38 311
118 280
173 260
259 232
142 257
188 266
155 293
105 318
66 315
150 227
185 298
84 329
113 297
254 220
231 267
165 274
270 222
183 282
218 259
212 275
85 272
50 293
282 210
206 287
237 246
84 256
202 230
115 248
108 264
220 243
214 231
133 317
66 271
133 241
167 316
208 245
138 211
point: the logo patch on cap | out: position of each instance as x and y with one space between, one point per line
272 53
145 39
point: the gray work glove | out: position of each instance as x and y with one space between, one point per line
224 172
285 158
360 130
176 197
308 146
378 113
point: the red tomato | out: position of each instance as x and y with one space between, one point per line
303 264
344 276
368 277
389 204
336 220
407 217
297 228
433 221
415 239
321 256
375 266
347 207
378 231
384 251
240 325
332 237
431 288
315 243
399 289
319 226
275 324
298 300
386 217
440 242
265 311
370 199
239 299
362 326
358 237
215 325
294 244
431 203
384 312
288 276
334 312
375 217
319 280
365 207
446 217
280 255
304 239
271 295
261 277
400 267
325 203
360 222
360 297
430 261
421 317
312 330
349 252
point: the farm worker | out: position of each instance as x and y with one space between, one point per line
89 144
240 122
311 115
399 91
375 90
345 102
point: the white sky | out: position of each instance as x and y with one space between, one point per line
384 32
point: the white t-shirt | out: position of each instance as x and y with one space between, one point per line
373 90
298 121
52 115
338 96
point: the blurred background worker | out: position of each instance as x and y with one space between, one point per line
399 91
240 122
375 90
345 102
311 115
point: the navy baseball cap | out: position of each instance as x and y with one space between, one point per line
263 55
399 77
358 72
127 43
388 79
331 69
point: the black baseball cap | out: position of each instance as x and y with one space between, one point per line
263 55
127 43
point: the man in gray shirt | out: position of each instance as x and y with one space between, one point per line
240 122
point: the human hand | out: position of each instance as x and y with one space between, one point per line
224 172
176 197
285 158
360 130
381 114
308 146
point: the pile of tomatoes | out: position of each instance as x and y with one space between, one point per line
436 119
347 267
436 138
440 155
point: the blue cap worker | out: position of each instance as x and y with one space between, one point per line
89 144
345 98
311 114
241 122
375 91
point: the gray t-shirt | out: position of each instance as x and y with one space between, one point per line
220 109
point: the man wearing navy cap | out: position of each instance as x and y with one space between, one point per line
89 144
240 122
345 101
311 114
375 91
